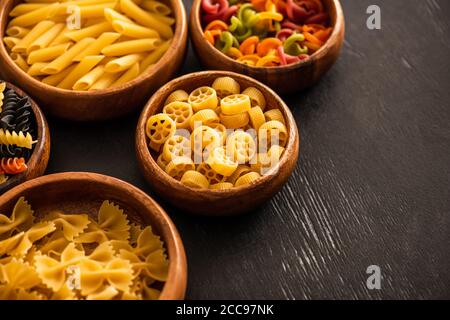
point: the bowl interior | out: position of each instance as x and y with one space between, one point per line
179 28
189 83
77 193
333 8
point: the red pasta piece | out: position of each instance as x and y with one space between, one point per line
12 165
210 6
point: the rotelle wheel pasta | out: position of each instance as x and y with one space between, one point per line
112 43
266 33
17 132
229 142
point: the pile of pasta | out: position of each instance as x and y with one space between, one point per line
266 33
217 137
72 256
17 132
88 44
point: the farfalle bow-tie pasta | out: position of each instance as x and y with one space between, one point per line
217 137
73 256
88 44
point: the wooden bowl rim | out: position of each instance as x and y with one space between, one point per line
180 29
42 133
323 51
265 179
177 280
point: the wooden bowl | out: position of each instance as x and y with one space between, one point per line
39 158
205 201
80 192
284 79
102 104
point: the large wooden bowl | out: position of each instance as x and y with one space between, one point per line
102 104
79 192
41 153
284 79
206 201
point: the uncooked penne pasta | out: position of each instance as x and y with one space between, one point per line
60 38
20 61
95 11
129 75
145 18
24 8
97 46
11 42
36 69
35 16
133 30
54 79
134 46
48 54
112 15
92 31
45 39
65 60
123 63
86 82
86 65
41 28
156 7
105 81
17 32
155 55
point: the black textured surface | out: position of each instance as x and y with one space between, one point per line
372 185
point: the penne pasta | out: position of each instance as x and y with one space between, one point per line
24 8
129 47
65 60
97 46
86 65
123 63
89 79
34 34
112 15
11 42
55 79
61 38
48 54
155 56
46 38
133 30
17 32
95 11
20 61
129 75
156 7
105 81
92 31
145 18
35 16
36 69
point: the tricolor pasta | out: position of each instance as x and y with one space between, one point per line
266 33
17 132
62 256
217 136
88 44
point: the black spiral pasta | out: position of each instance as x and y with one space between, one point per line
7 116
17 114
12 151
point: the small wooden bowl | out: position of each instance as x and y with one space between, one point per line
205 201
284 79
41 152
102 104
80 192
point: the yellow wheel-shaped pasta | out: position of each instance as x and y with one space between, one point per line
220 163
155 146
161 162
177 96
180 112
226 86
235 121
221 129
256 97
195 180
204 117
274 114
176 146
271 131
212 176
241 147
235 104
221 186
257 118
247 179
178 166
203 98
241 170
160 127
204 139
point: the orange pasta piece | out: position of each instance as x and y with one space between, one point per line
312 46
217 25
259 5
234 53
268 45
211 34
311 38
249 45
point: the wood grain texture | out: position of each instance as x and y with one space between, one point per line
73 193
371 186
208 202
100 104
39 158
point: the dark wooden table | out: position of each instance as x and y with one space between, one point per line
372 185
